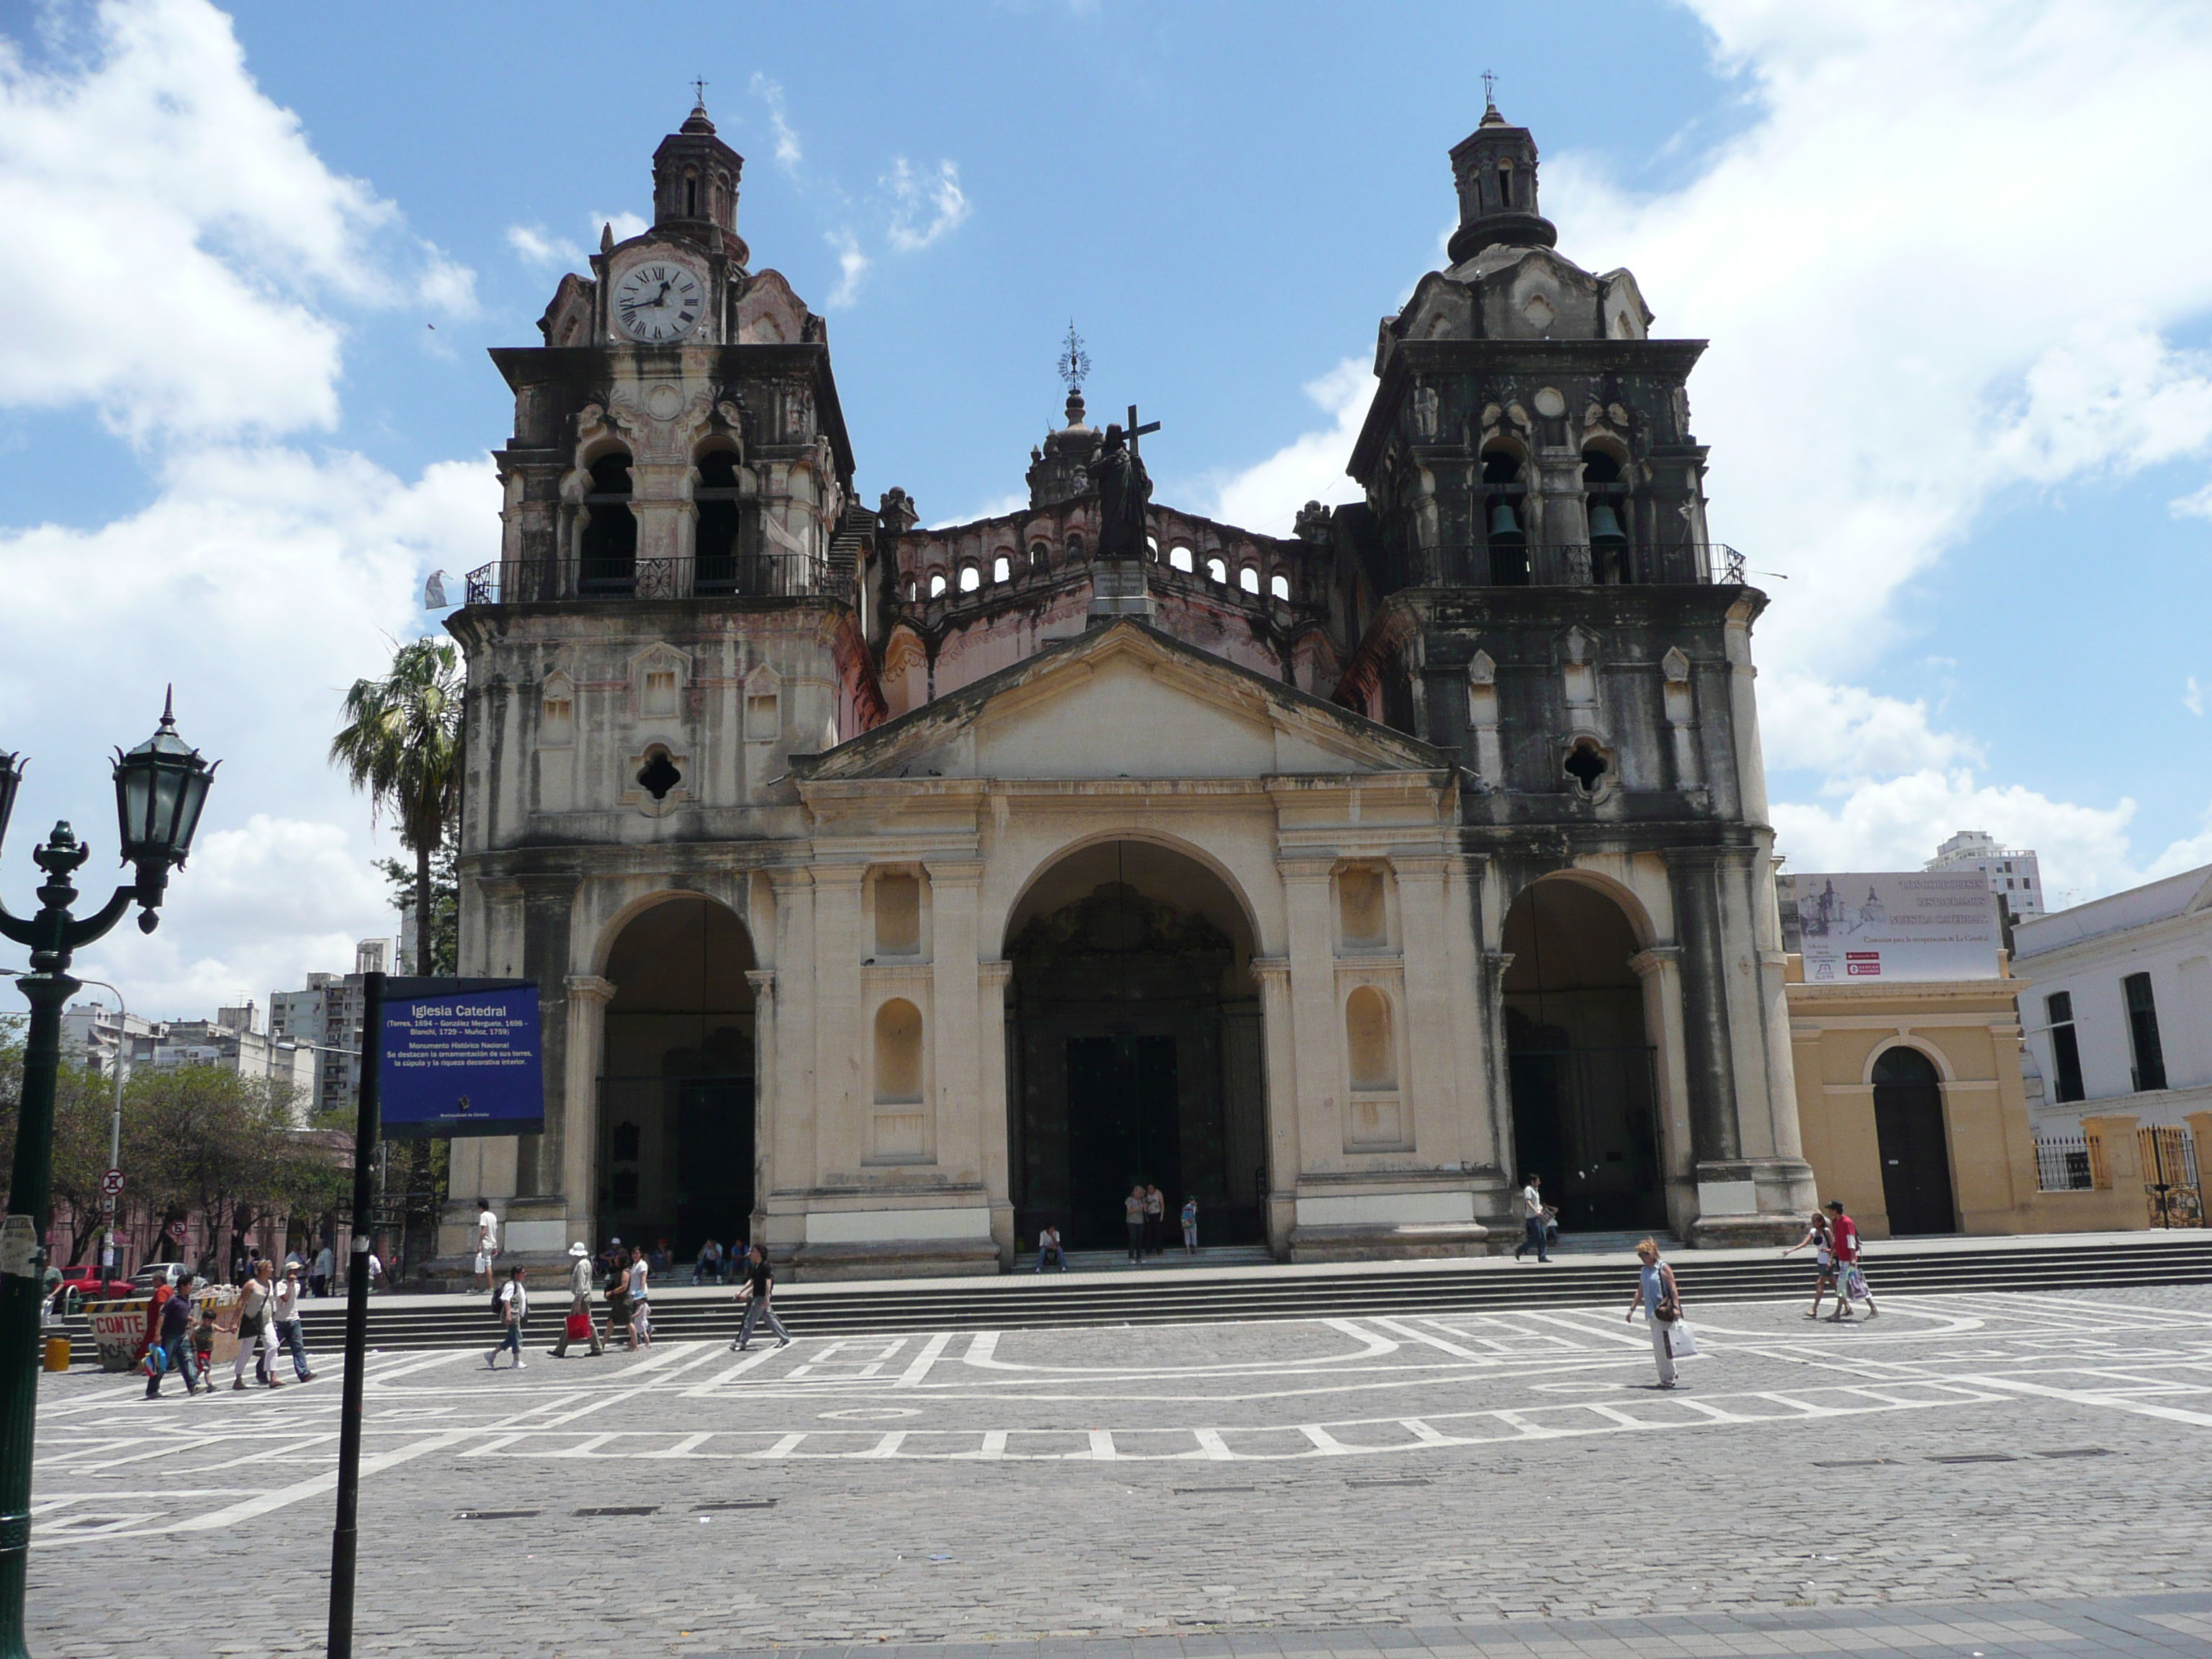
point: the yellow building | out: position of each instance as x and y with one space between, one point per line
1910 1100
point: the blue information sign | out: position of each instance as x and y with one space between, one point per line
459 1057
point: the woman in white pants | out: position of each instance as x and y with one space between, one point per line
257 1328
1661 1305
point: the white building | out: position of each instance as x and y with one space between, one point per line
326 1018
232 1040
2012 871
2119 1019
92 1032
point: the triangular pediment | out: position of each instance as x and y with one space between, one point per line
1124 701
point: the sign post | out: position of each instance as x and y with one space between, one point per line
438 1057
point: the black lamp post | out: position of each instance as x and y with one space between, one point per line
159 788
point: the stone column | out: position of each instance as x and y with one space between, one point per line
588 996
2113 1152
1660 969
1431 1084
1314 1025
961 1125
791 1125
763 980
1273 974
844 1127
1708 1066
994 1111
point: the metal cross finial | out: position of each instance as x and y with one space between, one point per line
1074 361
1489 90
699 91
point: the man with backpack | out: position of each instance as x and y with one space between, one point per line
512 1304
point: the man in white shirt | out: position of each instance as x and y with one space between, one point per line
1534 1221
487 1240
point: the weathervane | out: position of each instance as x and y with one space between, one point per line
699 91
1074 361
1489 90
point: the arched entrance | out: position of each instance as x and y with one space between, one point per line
1585 1113
675 1097
1915 1159
1133 1048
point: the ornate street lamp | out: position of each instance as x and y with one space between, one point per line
159 788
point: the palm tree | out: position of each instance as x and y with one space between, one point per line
402 743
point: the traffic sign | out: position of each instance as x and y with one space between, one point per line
112 1183
177 1231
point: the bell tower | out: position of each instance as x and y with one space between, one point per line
695 186
1495 168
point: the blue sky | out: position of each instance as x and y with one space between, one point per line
1958 394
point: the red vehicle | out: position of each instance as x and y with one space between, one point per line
86 1283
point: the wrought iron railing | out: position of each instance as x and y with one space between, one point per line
2063 1164
1564 564
739 575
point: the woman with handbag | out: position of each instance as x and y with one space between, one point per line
1661 1303
1824 1258
256 1330
580 1326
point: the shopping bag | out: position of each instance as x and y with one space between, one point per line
1680 1344
579 1327
1855 1284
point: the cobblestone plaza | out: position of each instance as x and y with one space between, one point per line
1951 1476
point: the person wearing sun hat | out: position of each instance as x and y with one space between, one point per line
579 1301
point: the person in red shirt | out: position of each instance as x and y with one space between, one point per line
1850 1280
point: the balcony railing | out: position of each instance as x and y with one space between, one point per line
1564 565
739 575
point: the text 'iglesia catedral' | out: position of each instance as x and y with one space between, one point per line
894 893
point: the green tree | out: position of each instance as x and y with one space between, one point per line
401 742
444 907
82 1103
204 1139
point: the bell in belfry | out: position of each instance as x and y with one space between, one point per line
1505 523
1605 527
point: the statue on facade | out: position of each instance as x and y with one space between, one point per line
1124 490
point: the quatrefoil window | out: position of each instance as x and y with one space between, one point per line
1585 764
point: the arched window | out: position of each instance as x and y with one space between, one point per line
971 578
610 544
690 195
1367 1040
1179 556
1002 569
1248 578
1152 548
1040 556
1505 184
1217 569
936 584
1606 495
1505 530
1279 586
898 1053
913 590
1074 547
715 535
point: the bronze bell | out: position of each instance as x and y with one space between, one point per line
1505 523
1605 527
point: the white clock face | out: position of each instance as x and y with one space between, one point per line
659 301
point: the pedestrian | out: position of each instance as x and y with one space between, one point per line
1535 1221
319 1279
487 1241
173 1340
1824 1258
617 1298
707 1269
1049 1251
1661 1306
284 1310
203 1336
1133 1213
1850 1277
375 1271
257 1331
513 1306
1190 1224
1156 1217
580 1303
641 1299
756 1290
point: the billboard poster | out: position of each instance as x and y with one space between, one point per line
1896 925
459 1057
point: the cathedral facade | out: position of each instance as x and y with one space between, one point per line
896 892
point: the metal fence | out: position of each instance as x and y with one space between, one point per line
1564 565
726 575
2063 1163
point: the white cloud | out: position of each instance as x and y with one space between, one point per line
926 204
155 152
624 225
261 582
852 268
2193 697
788 152
535 246
1267 495
2195 506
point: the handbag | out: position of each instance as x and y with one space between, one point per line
1855 1283
579 1327
1680 1344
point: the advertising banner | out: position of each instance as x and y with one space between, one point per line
1861 927
117 1329
459 1057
